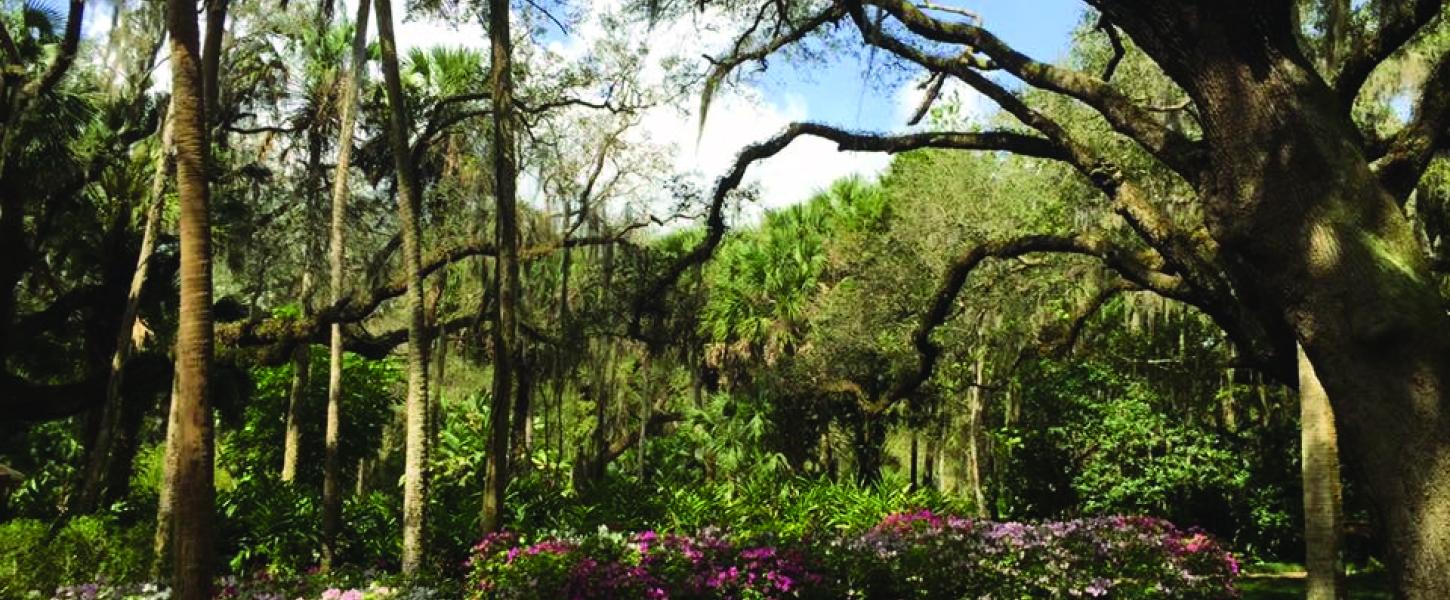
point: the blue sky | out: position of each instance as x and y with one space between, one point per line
836 92
833 92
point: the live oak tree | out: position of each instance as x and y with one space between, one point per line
1304 236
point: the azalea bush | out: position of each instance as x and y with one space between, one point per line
924 555
906 555
643 565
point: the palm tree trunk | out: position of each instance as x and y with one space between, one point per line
1319 448
191 479
415 454
505 336
292 441
331 477
216 16
101 456
165 500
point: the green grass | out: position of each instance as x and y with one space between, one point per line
1362 586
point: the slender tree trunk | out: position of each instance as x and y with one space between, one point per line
915 456
166 495
868 446
1323 517
101 455
292 441
191 480
331 477
216 16
928 468
522 421
415 456
975 410
505 337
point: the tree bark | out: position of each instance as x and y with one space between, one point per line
415 456
1323 517
191 480
867 447
505 336
1309 231
216 16
331 477
166 496
976 405
292 441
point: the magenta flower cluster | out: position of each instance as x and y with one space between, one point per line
906 555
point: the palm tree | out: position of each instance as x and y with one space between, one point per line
191 477
505 330
331 485
415 455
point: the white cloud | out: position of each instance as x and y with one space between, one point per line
741 117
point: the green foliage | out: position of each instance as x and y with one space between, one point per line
267 523
36 557
1093 440
252 445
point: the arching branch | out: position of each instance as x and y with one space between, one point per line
651 299
1408 153
1129 265
1398 25
1174 149
722 67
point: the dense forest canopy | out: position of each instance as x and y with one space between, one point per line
1177 272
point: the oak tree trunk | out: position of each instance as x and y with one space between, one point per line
1308 229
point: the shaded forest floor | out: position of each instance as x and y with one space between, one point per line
1288 584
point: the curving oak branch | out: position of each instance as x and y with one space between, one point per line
1137 268
1126 116
1408 153
650 301
1399 23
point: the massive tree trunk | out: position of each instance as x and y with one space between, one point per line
331 483
1312 233
505 336
416 452
1323 517
191 478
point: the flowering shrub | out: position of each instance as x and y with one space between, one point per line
906 555
258 587
644 565
924 555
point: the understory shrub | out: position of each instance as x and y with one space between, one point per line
88 548
906 555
